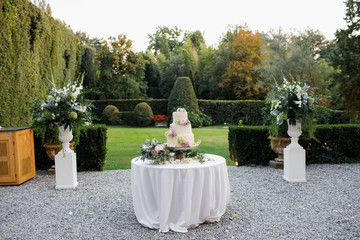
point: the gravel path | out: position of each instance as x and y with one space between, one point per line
325 207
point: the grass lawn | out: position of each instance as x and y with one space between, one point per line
123 143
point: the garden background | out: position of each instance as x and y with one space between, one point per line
230 81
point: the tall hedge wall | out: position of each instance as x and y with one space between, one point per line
32 45
338 143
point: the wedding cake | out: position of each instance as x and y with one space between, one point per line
180 133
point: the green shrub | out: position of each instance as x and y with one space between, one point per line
158 106
333 144
195 119
183 96
90 150
142 114
108 112
206 120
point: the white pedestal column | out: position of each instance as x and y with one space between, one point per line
65 170
294 157
65 162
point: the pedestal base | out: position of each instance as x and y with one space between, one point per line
66 172
294 163
276 164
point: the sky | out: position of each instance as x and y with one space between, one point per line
138 18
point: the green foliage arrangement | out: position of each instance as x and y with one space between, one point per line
90 149
32 44
334 144
143 114
183 96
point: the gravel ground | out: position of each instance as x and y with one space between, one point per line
325 207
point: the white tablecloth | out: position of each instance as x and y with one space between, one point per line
179 196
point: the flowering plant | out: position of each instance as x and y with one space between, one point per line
160 118
155 151
65 106
292 102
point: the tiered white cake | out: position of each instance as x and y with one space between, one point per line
180 133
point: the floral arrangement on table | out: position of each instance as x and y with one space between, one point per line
160 118
155 151
62 107
159 153
293 101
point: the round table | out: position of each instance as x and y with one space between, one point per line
179 196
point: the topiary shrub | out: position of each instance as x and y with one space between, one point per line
108 111
142 114
183 96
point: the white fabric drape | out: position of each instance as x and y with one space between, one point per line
179 196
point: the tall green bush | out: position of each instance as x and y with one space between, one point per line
183 96
32 45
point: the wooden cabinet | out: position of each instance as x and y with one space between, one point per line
17 155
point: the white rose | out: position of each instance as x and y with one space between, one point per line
159 148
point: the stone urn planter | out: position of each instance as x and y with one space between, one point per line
278 145
52 150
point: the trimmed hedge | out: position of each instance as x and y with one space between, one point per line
32 46
90 151
221 111
250 145
338 143
158 106
335 144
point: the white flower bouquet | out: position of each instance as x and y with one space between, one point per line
293 102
